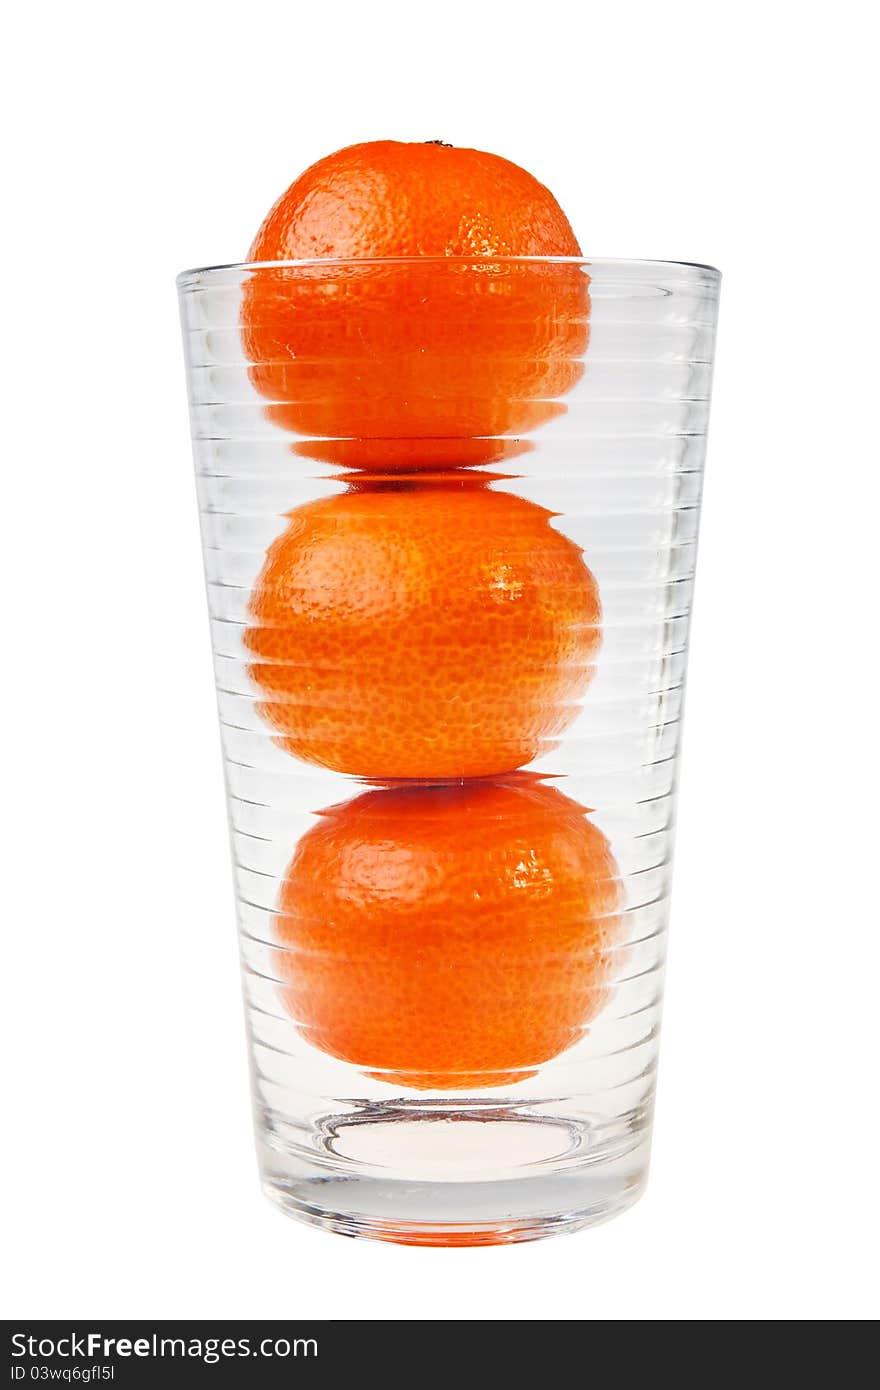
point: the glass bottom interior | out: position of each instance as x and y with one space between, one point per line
456 1172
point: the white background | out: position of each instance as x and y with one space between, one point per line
146 139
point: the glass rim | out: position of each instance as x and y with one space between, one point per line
594 263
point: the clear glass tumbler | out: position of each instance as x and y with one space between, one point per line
449 514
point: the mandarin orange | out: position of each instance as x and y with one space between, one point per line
433 630
461 344
449 937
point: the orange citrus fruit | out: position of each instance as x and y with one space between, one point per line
438 629
449 937
462 343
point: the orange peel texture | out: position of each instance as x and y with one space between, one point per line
431 630
449 937
444 356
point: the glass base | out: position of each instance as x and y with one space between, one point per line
456 1174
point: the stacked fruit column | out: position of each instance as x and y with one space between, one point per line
428 632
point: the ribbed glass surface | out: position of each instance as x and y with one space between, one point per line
449 514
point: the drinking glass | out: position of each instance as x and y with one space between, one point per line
449 514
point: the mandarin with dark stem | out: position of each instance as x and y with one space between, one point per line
465 343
